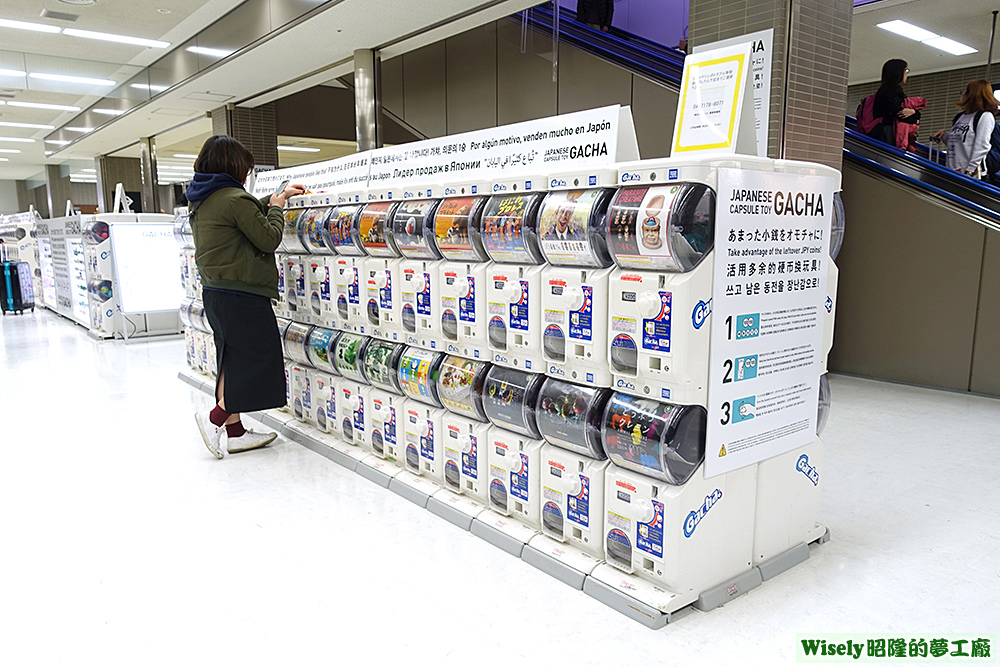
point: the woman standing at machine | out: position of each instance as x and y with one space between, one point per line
235 236
888 105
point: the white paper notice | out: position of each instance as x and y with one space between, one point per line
712 92
760 69
772 243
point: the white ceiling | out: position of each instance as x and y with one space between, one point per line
280 66
965 21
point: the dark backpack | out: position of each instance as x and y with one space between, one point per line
993 157
866 115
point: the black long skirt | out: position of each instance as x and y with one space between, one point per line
247 349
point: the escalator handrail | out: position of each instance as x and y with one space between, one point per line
610 47
898 175
919 162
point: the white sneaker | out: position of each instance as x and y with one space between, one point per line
211 433
249 440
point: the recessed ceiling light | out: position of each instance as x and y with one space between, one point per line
163 10
152 88
89 171
186 155
22 25
30 126
79 129
108 112
121 39
205 51
20 140
907 30
950 46
11 72
9 150
40 105
71 79
3 159
56 142
301 149
80 3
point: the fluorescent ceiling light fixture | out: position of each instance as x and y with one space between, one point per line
111 37
11 72
56 142
3 159
23 25
301 149
79 129
907 30
186 155
948 46
66 78
9 150
205 51
20 140
151 88
49 152
30 126
41 105
108 112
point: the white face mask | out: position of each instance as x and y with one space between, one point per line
251 179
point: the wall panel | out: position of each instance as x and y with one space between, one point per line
424 90
472 79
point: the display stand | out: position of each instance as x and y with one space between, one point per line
648 469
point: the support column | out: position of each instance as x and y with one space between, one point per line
150 185
58 190
368 98
114 170
23 196
256 128
812 41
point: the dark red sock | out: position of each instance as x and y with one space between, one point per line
218 416
235 429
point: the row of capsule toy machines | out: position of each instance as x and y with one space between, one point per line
199 341
515 343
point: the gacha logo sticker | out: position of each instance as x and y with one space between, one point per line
701 312
802 465
630 178
695 516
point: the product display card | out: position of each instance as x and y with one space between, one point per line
769 303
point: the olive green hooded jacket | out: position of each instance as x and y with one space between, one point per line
235 236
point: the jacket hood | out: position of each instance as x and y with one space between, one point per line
202 185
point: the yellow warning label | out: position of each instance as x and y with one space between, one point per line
722 452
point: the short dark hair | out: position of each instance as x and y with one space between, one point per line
222 154
892 73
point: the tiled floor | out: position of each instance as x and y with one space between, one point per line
126 543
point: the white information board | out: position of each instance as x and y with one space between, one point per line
772 244
350 172
581 140
761 54
710 109
148 274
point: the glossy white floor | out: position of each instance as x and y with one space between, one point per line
125 542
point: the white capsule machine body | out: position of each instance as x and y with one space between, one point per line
385 418
320 286
382 274
423 454
575 299
572 488
513 295
684 539
353 406
465 444
349 275
463 277
514 461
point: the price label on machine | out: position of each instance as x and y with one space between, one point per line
772 246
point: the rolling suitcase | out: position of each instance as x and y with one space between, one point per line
16 291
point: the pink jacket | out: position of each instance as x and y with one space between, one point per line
906 133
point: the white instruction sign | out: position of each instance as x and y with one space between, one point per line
573 141
349 172
710 106
761 53
772 244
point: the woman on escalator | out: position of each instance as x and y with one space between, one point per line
968 140
889 102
